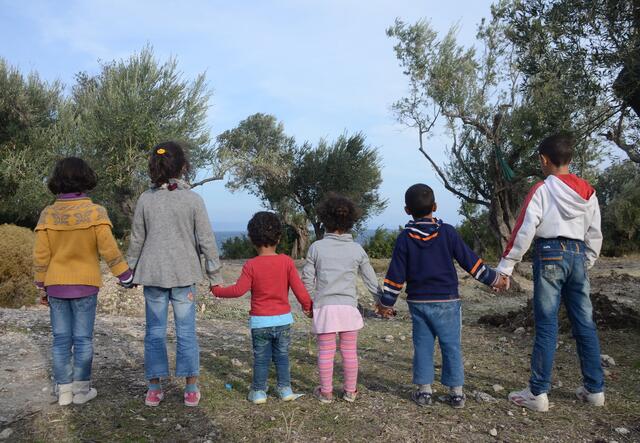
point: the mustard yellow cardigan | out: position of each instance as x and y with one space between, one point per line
71 235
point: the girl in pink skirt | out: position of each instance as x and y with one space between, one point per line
330 273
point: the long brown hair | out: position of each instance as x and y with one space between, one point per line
167 161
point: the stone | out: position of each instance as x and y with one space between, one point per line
622 431
510 414
178 427
403 338
6 434
607 361
607 373
519 331
493 432
502 339
483 397
388 338
497 388
235 362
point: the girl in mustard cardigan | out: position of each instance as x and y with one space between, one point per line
71 235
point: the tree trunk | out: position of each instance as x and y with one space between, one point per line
318 230
301 242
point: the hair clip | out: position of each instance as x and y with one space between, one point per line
161 151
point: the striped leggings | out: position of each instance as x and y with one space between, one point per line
349 353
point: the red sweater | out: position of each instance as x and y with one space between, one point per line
269 278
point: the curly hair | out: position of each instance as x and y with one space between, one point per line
167 161
338 213
264 229
72 174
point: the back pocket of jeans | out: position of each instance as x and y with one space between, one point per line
551 270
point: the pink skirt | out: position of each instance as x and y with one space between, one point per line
336 318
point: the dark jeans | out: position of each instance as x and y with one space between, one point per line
560 272
444 321
271 344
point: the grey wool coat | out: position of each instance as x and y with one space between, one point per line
170 231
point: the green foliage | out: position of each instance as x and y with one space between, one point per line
473 231
619 197
31 135
381 243
238 248
16 273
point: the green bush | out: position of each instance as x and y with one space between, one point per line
381 243
16 267
238 248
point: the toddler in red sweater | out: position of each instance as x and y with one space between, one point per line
269 277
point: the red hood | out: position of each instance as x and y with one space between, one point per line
580 186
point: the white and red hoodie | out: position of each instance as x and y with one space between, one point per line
560 206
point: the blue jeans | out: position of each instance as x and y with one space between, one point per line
560 272
271 344
442 320
156 362
72 321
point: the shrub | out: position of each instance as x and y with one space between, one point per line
381 243
16 267
238 248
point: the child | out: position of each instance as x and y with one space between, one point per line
71 234
422 258
561 213
330 272
269 277
170 230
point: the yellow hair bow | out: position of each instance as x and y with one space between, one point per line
161 151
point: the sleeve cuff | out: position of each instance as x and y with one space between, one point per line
506 266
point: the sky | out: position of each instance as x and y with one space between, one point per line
323 68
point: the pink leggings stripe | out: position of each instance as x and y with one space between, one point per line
349 353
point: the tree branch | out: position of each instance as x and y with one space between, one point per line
456 149
615 135
207 180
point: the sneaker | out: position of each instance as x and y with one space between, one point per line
257 397
422 398
526 399
154 397
596 399
322 397
83 392
192 398
287 394
65 394
349 396
456 401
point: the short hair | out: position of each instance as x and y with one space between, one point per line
167 160
419 200
264 229
338 213
72 174
558 147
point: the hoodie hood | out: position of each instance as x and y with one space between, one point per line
347 237
423 230
571 193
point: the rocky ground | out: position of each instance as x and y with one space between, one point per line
496 361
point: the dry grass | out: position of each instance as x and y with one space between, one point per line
16 274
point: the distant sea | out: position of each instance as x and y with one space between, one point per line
221 236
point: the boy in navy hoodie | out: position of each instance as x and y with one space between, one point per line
423 259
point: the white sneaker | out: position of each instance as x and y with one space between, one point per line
65 394
587 397
83 392
526 399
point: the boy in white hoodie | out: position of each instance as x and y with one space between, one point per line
561 215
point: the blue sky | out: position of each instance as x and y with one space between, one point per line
321 67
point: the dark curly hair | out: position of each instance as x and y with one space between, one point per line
264 229
338 213
167 161
72 174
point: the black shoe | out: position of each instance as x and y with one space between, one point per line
456 401
422 398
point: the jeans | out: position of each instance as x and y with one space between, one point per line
442 320
156 363
271 344
560 272
72 321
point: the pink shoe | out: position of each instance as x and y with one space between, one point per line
154 397
191 398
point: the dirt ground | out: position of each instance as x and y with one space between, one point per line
496 361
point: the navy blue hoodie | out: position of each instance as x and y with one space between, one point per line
423 259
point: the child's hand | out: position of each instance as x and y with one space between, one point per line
503 283
385 312
308 313
44 300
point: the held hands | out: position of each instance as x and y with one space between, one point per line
503 283
308 313
385 312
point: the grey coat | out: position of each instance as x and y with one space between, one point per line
331 269
169 232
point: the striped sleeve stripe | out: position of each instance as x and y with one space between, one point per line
476 266
393 291
520 219
480 272
394 284
417 237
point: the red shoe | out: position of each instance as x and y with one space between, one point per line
191 398
154 397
